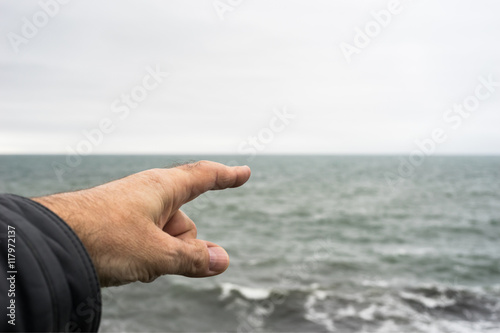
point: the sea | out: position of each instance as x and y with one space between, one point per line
317 244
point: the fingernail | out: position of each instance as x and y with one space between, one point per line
219 259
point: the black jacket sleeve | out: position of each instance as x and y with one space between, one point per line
47 280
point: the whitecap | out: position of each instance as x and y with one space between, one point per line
249 293
430 303
346 312
315 316
368 314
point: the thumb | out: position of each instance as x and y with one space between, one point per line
196 258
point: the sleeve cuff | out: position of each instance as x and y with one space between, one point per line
56 285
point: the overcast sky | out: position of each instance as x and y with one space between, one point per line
232 65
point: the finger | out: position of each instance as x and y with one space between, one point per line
193 258
180 226
191 180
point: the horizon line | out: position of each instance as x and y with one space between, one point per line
248 155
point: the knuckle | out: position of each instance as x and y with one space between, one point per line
196 165
155 178
196 262
154 175
202 163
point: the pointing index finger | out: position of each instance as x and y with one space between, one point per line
191 180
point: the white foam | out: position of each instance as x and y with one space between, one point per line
249 293
368 314
315 316
430 303
346 312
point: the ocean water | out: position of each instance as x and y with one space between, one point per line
317 244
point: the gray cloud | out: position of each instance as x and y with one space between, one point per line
226 77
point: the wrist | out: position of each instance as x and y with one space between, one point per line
73 208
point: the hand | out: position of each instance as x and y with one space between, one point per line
134 230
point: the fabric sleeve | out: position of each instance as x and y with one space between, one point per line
47 280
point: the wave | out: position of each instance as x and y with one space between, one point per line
248 293
361 305
371 307
366 304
